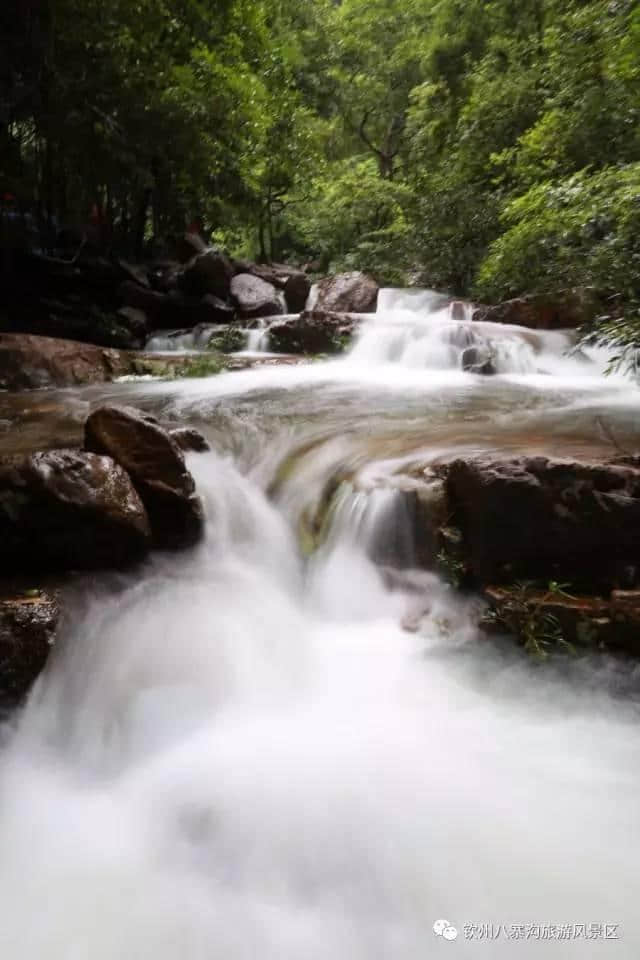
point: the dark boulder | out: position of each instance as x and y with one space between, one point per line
211 309
210 272
296 292
135 321
314 331
157 468
66 510
151 302
86 323
538 518
190 440
347 293
545 311
27 632
255 297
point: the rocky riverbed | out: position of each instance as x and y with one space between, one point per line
485 481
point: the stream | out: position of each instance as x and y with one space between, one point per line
238 752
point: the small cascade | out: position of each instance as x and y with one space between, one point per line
183 341
422 329
257 338
378 521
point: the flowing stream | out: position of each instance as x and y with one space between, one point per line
241 752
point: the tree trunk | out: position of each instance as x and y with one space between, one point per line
141 221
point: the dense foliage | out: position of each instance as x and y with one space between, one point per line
485 146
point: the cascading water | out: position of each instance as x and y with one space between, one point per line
421 329
239 752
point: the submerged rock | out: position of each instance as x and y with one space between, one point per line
27 632
66 510
314 331
255 297
541 518
156 465
347 293
478 360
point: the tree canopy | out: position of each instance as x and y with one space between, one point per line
487 147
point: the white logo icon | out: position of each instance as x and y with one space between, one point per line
444 929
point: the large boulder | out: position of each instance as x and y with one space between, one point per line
66 510
211 309
531 518
210 272
255 297
27 632
314 331
277 274
296 292
545 311
156 465
30 362
347 293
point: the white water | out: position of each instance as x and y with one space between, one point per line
419 329
238 754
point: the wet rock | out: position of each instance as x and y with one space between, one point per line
27 632
314 331
65 510
549 519
347 293
296 292
545 311
156 465
478 360
255 297
30 362
208 273
190 440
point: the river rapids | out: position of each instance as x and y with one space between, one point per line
241 752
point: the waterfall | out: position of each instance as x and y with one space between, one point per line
420 329
276 749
